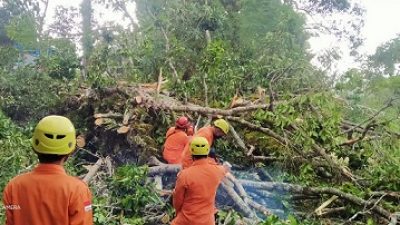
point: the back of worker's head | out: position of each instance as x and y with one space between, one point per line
199 147
222 128
53 138
182 122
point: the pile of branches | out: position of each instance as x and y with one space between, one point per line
125 118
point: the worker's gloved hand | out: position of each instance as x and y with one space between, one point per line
190 130
212 153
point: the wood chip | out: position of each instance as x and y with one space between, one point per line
138 99
99 121
123 130
80 141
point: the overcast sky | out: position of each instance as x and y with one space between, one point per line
381 23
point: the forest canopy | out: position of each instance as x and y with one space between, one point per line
326 142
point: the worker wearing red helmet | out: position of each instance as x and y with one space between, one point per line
176 139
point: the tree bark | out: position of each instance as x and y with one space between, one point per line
93 170
167 168
286 187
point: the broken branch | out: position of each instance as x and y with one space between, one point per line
93 170
271 186
166 168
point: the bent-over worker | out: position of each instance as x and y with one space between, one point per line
176 139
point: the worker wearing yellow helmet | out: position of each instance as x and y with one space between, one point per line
196 187
218 129
47 195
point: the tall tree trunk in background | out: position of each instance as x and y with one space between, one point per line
41 20
208 37
233 8
87 35
124 9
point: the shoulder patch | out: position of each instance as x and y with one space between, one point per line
87 206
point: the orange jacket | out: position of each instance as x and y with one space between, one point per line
207 133
47 196
194 194
174 144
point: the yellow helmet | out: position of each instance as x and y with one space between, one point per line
199 146
54 135
222 124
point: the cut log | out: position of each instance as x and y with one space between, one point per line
167 168
138 100
241 205
80 141
123 130
93 170
208 110
99 121
257 207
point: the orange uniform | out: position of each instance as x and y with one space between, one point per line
175 142
47 196
207 133
194 194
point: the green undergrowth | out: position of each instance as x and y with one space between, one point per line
15 152
127 199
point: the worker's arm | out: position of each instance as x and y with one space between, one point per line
179 193
80 208
7 206
190 130
186 157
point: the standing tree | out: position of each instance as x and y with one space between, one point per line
386 60
64 23
87 34
36 10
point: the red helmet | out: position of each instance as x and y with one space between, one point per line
182 122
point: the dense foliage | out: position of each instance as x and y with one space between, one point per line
210 53
15 154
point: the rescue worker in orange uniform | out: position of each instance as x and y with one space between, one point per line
176 139
47 195
219 129
196 187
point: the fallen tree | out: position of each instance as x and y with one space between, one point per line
370 205
125 119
